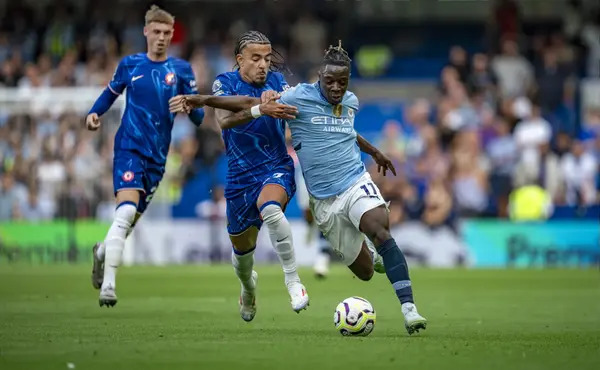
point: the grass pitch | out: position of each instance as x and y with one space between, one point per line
187 318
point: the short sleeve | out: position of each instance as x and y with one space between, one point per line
222 86
189 80
290 96
118 83
283 85
352 101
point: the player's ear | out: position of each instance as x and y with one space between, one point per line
240 60
145 30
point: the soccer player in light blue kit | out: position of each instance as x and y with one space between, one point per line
143 139
346 204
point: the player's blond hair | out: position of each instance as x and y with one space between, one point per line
156 14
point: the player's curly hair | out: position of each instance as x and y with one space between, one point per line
336 55
256 37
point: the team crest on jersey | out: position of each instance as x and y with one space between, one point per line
170 78
350 112
217 88
128 176
337 110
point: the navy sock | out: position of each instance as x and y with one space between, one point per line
396 270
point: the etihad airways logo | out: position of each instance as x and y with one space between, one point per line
328 120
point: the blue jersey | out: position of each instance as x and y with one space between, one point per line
146 123
324 139
258 147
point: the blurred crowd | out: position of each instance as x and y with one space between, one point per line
500 139
504 119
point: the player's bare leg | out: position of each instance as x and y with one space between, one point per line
242 259
362 266
108 255
271 201
375 224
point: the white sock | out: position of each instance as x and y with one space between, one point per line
102 247
280 233
100 251
115 241
242 265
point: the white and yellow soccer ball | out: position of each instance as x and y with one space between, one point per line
354 316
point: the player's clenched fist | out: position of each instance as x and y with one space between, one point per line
276 110
269 95
179 104
92 122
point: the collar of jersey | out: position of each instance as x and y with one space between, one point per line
318 86
155 62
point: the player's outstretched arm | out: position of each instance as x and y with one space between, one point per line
383 162
101 105
233 110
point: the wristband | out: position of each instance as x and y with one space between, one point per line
255 111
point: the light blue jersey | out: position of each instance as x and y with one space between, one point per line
324 138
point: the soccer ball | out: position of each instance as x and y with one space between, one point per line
354 316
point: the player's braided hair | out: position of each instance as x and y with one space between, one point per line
256 37
336 55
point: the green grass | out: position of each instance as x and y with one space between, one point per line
187 318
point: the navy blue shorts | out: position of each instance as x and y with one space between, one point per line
242 212
132 171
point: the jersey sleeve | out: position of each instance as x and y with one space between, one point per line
290 96
353 101
283 85
189 80
118 83
222 86
189 88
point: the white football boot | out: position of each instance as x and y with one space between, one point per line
97 268
108 296
413 322
298 296
248 300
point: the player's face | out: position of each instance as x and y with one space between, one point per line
254 62
334 82
158 36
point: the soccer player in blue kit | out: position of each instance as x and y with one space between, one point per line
346 204
260 178
143 139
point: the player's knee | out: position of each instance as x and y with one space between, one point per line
271 213
244 241
381 235
124 218
365 274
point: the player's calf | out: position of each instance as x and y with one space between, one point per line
375 225
362 267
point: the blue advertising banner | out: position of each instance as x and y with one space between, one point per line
550 244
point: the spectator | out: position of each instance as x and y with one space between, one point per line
515 73
32 210
12 196
503 154
541 167
553 83
468 175
580 169
590 36
438 205
482 78
532 131
392 141
458 59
